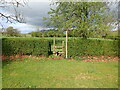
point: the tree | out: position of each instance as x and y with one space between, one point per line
36 34
60 34
75 33
83 17
51 33
16 15
39 34
33 34
10 31
45 34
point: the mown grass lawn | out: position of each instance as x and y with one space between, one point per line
48 73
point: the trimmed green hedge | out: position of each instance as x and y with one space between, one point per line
57 41
113 37
92 47
23 46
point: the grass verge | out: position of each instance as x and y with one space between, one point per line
56 72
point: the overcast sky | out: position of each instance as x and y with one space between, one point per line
33 14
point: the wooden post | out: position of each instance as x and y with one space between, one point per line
54 44
66 44
62 46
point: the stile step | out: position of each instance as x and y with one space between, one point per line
57 49
58 46
59 52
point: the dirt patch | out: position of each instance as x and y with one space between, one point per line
84 76
71 60
101 59
84 59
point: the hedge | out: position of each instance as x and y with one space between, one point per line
113 37
57 41
23 46
92 47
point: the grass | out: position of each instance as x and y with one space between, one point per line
57 38
50 73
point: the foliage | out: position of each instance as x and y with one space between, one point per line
86 18
14 6
22 46
57 41
74 33
113 37
10 31
51 33
45 34
36 34
55 33
92 47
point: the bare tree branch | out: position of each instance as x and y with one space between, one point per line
15 4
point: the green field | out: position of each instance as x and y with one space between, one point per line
51 38
55 73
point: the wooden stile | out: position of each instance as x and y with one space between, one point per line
58 49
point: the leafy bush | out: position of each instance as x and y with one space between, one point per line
113 37
23 46
57 42
92 47
36 34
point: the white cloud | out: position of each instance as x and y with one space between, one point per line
24 28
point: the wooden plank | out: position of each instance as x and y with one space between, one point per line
61 52
58 52
57 49
58 46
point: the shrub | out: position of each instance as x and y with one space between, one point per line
57 42
113 37
23 46
92 47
